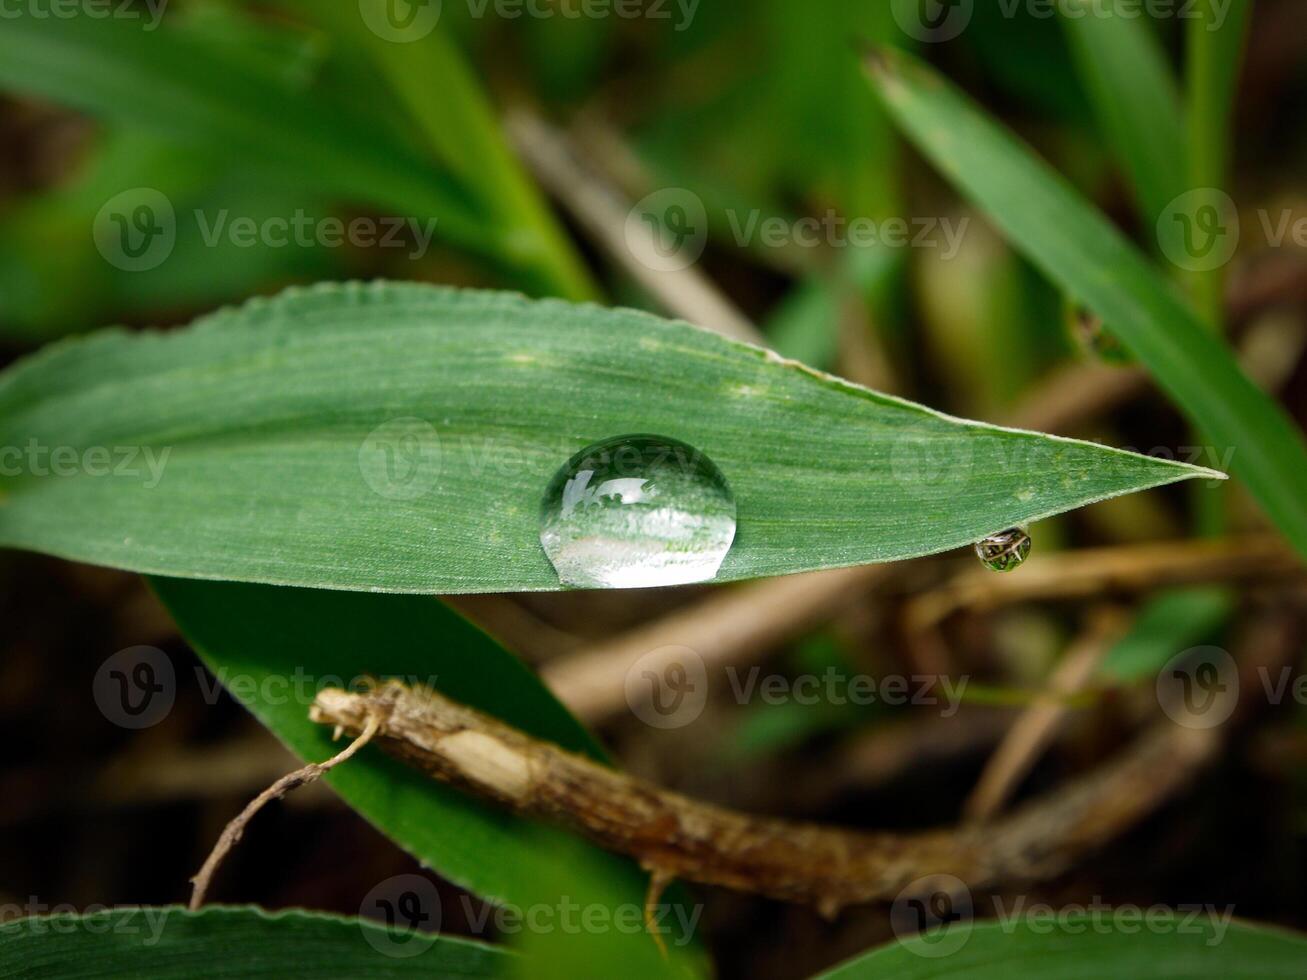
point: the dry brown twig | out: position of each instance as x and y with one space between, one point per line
1092 571
1037 726
733 624
602 211
673 836
314 771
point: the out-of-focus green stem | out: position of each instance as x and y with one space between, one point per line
1215 41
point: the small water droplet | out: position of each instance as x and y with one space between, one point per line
1005 550
637 511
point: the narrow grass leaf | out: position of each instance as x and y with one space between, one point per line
175 83
401 437
274 648
1080 250
170 943
1201 947
1135 97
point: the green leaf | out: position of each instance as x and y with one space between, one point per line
1214 41
270 429
176 83
1084 947
45 244
1170 623
463 130
805 325
1081 251
170 942
274 648
1135 98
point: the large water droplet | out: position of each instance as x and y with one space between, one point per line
637 511
1005 550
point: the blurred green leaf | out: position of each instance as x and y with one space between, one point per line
1023 51
834 141
1081 251
1087 947
270 441
1135 98
462 129
273 648
805 325
169 942
54 281
1167 625
1214 41
179 84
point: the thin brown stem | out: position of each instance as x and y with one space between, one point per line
677 837
314 771
600 209
1091 572
1037 726
730 625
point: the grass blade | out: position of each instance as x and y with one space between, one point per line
275 648
1214 43
178 85
264 444
1135 98
171 943
462 129
1079 249
1088 946
1167 625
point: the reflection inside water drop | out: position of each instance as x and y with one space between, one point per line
637 511
1005 550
